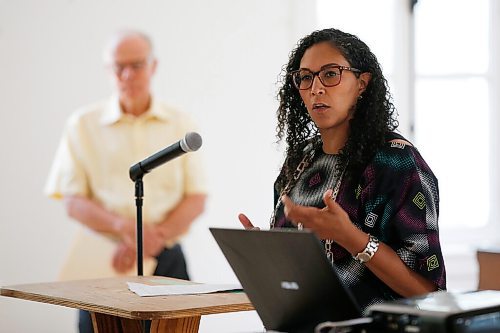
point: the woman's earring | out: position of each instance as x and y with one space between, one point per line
360 97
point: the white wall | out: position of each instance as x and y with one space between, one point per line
219 61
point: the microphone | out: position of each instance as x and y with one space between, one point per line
191 142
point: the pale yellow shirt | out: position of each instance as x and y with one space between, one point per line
100 143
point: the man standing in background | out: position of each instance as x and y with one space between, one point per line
90 173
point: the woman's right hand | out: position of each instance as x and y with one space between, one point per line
247 224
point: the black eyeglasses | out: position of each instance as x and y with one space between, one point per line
329 75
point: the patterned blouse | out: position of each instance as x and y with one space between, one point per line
396 199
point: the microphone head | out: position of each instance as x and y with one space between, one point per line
191 142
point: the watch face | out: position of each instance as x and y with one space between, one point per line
363 257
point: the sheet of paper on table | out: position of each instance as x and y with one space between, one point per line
180 289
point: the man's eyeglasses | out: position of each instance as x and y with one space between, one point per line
135 66
329 76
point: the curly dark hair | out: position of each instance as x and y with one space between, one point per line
374 114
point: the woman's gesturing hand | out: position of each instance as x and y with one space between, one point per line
247 224
330 222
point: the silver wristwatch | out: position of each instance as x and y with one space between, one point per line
369 250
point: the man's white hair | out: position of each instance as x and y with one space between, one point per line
118 37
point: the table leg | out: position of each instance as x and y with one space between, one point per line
176 325
104 323
112 324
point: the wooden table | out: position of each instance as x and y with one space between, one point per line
114 308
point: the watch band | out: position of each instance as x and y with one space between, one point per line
369 251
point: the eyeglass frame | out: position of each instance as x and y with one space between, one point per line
356 72
135 66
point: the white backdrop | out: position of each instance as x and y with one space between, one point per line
218 60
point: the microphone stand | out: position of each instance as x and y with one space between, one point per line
139 193
191 142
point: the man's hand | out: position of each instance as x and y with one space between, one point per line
154 240
124 258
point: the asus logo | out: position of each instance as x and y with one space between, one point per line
289 285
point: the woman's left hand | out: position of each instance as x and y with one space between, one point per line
333 222
330 222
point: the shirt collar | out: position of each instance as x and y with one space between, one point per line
114 114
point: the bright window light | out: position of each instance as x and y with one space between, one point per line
452 111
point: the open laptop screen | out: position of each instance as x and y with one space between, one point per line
287 277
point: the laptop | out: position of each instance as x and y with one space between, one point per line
287 277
